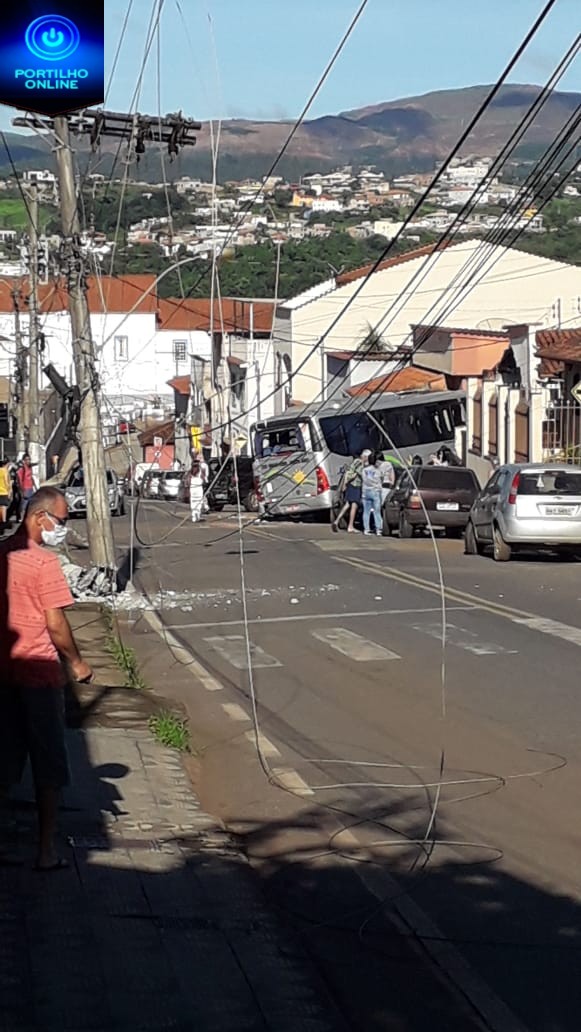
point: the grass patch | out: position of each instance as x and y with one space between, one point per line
125 657
170 730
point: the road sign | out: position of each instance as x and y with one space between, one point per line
576 392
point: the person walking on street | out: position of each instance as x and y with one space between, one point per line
26 483
196 491
35 636
371 495
5 493
352 484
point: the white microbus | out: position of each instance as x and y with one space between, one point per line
301 455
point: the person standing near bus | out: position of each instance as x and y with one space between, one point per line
352 483
371 495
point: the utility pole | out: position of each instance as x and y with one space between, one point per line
174 131
21 377
33 395
99 526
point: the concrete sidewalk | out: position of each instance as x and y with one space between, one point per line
159 923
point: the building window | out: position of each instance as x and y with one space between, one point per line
121 349
180 350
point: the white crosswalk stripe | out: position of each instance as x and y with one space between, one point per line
464 639
353 645
232 648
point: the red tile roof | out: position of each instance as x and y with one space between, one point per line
389 263
427 330
181 385
408 379
234 315
366 356
165 430
563 345
105 294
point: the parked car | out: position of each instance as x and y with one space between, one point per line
531 506
447 493
76 496
169 484
228 481
149 487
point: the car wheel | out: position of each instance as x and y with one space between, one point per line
386 524
471 546
405 528
251 501
501 550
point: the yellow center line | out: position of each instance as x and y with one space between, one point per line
452 594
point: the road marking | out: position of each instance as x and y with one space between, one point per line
304 617
232 648
354 646
266 747
289 779
384 886
182 654
235 712
464 639
519 616
350 543
553 627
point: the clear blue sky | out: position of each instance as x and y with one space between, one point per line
269 53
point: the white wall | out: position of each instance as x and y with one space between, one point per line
150 361
469 285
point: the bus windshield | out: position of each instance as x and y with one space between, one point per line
282 439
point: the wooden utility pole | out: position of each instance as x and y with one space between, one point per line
99 526
173 130
21 377
32 393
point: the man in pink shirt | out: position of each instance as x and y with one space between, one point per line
34 636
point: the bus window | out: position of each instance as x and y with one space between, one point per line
333 428
350 434
280 440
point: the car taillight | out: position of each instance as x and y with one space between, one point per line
415 501
322 481
259 493
514 489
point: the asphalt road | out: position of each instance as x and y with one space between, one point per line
418 743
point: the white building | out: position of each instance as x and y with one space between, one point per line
326 204
471 284
387 228
138 347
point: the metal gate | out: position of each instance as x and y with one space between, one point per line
562 432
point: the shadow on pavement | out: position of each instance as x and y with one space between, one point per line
165 926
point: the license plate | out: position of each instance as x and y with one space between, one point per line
559 510
447 506
290 508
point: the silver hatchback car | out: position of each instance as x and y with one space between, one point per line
532 505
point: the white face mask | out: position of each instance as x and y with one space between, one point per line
55 537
